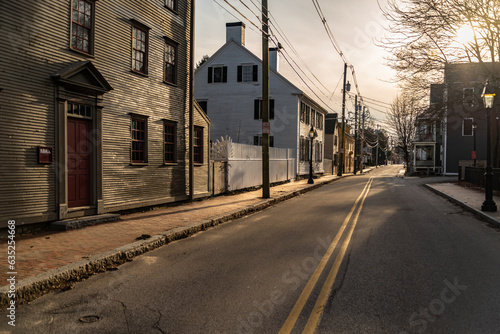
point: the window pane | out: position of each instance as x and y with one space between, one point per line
82 25
247 73
217 74
138 140
170 53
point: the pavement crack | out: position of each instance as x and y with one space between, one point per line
124 313
157 324
341 283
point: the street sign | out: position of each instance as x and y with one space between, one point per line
266 127
473 154
44 155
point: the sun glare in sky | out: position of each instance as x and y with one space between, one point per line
465 34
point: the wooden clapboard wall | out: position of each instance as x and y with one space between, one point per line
35 43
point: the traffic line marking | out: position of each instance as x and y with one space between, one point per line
306 292
319 307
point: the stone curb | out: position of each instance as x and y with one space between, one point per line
491 220
37 286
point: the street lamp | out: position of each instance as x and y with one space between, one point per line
488 99
474 152
376 158
312 134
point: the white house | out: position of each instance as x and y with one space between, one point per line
228 86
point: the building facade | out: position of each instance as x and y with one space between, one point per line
97 108
463 115
229 88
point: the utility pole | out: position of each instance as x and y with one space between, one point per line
362 140
342 136
266 127
361 117
355 134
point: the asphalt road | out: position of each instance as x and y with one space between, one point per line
366 254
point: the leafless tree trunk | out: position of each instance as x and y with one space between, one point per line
402 117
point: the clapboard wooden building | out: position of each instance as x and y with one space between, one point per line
96 106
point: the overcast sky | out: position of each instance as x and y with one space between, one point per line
355 25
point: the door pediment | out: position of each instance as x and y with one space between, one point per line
82 76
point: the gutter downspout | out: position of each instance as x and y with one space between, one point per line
191 106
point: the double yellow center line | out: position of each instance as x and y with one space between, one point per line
319 306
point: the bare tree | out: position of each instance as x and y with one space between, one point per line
402 117
425 35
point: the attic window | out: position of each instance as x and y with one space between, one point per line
217 74
248 73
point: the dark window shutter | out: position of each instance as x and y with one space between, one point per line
224 74
210 74
240 73
256 140
271 141
255 72
271 109
256 109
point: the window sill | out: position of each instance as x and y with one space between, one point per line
140 73
83 53
170 84
172 10
139 164
199 164
166 164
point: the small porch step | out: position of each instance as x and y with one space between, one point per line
81 222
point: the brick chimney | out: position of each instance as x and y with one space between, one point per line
236 31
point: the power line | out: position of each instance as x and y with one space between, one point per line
226 10
286 55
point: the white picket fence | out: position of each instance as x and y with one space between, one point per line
241 165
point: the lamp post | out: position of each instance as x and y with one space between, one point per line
355 134
488 99
378 144
474 152
312 134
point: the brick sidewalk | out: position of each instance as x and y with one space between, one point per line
40 253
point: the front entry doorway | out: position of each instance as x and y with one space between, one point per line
79 162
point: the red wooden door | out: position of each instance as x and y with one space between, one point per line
79 156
